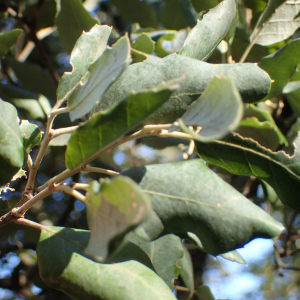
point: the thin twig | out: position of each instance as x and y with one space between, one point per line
29 223
67 189
100 170
57 132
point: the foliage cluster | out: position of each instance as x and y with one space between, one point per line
77 88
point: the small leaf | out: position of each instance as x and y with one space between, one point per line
63 265
291 87
202 203
71 20
281 65
242 156
203 39
277 22
88 48
103 128
8 40
112 211
31 134
11 146
186 270
101 74
144 44
218 110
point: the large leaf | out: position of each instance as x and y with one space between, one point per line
71 20
34 78
277 22
218 110
136 11
8 39
101 75
164 262
63 266
189 197
31 135
210 31
25 100
89 47
103 128
113 208
11 146
281 65
246 157
252 82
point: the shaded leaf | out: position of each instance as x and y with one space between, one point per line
203 39
252 83
136 11
11 143
165 254
101 75
204 293
202 203
112 211
23 99
63 266
242 156
31 135
277 22
8 40
71 20
259 125
143 44
281 65
103 128
34 78
189 12
218 110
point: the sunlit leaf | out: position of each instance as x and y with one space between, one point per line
31 135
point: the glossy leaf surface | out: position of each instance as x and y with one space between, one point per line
71 20
101 75
63 266
210 31
246 157
113 210
103 128
202 203
11 146
281 65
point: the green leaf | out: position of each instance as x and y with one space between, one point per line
34 78
23 99
218 110
11 146
71 20
259 125
113 210
281 65
170 42
252 83
202 203
277 22
186 271
63 266
31 135
291 87
205 293
189 12
143 44
88 48
103 128
136 11
203 39
165 254
8 40
101 75
246 157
